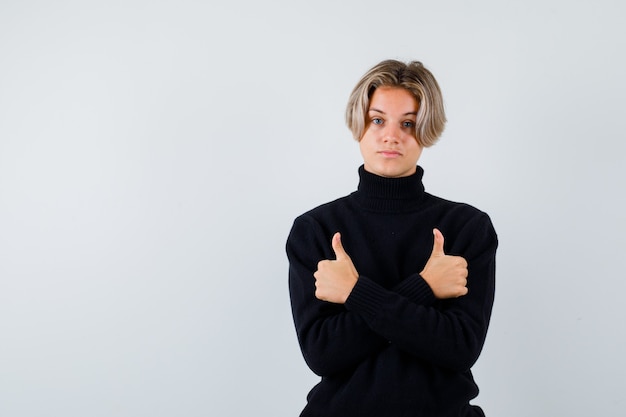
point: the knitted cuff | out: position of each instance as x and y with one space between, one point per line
416 289
365 298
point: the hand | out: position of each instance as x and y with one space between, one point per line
446 275
334 280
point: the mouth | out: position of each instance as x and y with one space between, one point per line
390 154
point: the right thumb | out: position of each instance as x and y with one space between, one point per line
438 243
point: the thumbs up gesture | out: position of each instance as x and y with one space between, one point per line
334 279
446 275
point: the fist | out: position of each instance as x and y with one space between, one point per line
335 279
446 275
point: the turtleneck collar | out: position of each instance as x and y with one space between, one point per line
389 194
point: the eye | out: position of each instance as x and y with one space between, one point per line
377 121
408 124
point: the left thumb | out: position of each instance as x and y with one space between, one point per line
340 252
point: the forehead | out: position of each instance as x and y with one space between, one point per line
393 99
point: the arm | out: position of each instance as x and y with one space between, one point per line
416 290
331 338
450 333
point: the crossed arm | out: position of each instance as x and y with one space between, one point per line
343 318
445 274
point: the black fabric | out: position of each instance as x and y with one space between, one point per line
392 349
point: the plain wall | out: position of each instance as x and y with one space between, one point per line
153 156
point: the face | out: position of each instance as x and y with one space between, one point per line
388 145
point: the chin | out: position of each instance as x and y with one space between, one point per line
389 173
390 170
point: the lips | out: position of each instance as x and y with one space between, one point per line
388 153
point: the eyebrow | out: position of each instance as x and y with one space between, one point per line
411 113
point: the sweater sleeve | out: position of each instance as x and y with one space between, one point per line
331 338
416 290
449 333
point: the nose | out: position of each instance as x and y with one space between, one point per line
391 134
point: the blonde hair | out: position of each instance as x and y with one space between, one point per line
413 77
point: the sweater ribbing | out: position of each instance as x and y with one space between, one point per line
391 195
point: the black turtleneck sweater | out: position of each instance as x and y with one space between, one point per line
392 349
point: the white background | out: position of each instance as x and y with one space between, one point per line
153 155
